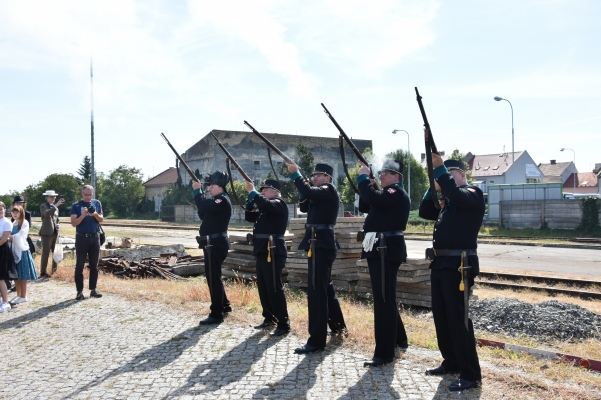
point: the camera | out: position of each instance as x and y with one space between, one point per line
91 209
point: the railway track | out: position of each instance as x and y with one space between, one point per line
578 287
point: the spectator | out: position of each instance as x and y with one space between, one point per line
86 214
21 254
49 229
7 268
20 201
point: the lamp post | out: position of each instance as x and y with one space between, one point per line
408 161
563 148
497 98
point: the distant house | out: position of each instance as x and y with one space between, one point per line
586 182
155 188
496 169
557 172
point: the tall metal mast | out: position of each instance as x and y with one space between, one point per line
92 175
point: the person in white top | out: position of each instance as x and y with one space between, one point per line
7 270
22 256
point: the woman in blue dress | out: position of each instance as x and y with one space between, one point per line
22 256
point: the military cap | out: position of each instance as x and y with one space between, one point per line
271 184
324 169
393 166
219 178
454 164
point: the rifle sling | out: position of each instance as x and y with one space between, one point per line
229 171
342 156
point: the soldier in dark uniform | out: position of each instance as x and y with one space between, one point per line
321 246
215 212
388 212
270 218
455 231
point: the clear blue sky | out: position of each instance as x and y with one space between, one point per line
184 68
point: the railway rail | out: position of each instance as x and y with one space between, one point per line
579 287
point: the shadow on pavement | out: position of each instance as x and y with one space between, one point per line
443 392
219 373
375 383
156 357
296 383
38 314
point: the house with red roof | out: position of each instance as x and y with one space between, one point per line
155 187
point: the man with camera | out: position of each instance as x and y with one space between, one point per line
86 215
49 229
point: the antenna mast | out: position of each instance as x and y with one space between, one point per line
92 175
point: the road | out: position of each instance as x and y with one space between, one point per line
495 257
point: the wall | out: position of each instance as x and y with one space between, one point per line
186 213
559 214
524 191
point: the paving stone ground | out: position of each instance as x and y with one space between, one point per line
115 348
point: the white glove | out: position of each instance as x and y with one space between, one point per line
369 240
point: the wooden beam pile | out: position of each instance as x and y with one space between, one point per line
413 282
346 260
155 267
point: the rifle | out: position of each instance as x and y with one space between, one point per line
430 148
274 148
353 148
194 178
229 156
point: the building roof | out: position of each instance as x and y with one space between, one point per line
167 177
554 169
583 179
491 164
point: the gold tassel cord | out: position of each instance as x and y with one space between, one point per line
268 250
461 284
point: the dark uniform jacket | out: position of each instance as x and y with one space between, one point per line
388 211
270 219
323 203
458 223
215 214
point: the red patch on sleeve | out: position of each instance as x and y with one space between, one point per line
391 190
218 201
472 190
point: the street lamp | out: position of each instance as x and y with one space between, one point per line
574 166
408 161
497 98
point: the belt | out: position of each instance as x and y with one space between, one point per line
391 233
453 253
213 236
319 226
266 236
87 234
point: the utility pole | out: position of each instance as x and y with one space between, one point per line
93 174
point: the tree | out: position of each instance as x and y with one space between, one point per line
456 155
347 193
85 171
65 185
419 178
304 159
7 199
123 190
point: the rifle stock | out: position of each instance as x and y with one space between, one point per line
229 156
194 178
430 148
274 148
352 146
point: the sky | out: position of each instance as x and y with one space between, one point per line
187 67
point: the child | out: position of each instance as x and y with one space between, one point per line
7 268
23 260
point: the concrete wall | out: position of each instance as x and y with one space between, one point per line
186 213
559 214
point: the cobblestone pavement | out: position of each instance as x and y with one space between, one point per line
115 348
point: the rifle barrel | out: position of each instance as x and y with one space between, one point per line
228 155
181 160
430 148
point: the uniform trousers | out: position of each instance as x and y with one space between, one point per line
213 273
457 345
324 307
271 293
48 242
388 325
86 247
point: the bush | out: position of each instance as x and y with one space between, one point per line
589 224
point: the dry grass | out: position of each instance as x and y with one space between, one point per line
528 377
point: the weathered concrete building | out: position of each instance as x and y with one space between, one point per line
251 153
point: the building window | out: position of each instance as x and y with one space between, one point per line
532 180
257 165
491 182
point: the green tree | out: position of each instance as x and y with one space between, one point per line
7 199
456 155
305 160
85 171
65 185
181 193
123 190
419 178
589 224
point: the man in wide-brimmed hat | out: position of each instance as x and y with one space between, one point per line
215 211
455 233
269 212
49 230
321 246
